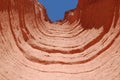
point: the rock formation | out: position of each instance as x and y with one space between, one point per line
83 46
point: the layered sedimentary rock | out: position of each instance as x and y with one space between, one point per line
83 46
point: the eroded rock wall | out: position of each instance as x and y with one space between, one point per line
83 46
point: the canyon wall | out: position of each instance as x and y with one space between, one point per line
83 46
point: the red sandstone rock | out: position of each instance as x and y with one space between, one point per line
83 46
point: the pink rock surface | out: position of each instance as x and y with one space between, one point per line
83 46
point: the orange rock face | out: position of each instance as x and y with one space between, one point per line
83 46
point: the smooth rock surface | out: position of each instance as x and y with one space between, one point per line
83 46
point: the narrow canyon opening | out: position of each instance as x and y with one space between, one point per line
85 45
56 8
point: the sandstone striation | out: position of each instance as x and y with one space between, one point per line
85 45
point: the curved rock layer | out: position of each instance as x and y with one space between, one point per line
83 46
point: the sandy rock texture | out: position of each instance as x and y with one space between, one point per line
83 46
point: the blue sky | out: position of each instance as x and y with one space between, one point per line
57 8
